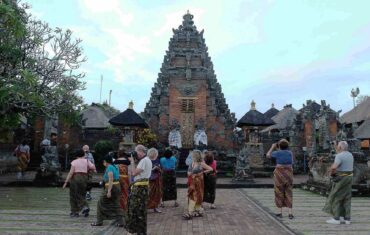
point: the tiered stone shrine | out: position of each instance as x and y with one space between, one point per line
187 92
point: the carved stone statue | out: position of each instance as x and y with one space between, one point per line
174 137
242 168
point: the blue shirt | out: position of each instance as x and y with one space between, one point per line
168 163
114 169
283 157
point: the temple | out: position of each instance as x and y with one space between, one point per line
187 96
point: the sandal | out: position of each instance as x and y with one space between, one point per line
187 216
176 204
279 215
213 206
197 214
96 224
291 216
119 225
156 210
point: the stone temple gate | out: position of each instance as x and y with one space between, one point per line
187 93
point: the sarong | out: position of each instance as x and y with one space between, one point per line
155 192
196 192
109 208
209 188
338 202
136 219
169 185
125 184
77 191
283 186
22 162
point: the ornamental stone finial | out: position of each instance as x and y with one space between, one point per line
272 105
131 105
253 105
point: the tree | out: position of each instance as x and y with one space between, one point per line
38 67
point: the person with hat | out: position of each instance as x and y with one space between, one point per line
108 207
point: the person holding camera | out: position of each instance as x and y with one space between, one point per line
283 176
108 206
137 205
77 177
338 203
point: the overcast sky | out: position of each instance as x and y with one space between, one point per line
281 52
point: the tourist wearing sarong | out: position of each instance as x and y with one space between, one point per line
22 152
155 182
210 180
122 162
108 207
196 185
338 203
90 157
168 164
283 177
77 177
136 219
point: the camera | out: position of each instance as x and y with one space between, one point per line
133 154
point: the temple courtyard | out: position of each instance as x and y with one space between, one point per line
32 210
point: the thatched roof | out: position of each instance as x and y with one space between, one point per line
363 131
283 119
358 114
254 118
94 117
311 105
271 112
128 118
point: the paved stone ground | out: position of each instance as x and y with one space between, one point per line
45 211
10 178
309 218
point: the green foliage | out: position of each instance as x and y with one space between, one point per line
34 80
101 148
146 137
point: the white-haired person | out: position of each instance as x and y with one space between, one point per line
136 221
89 157
196 185
155 181
338 203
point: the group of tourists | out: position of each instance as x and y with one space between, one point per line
140 181
338 203
137 182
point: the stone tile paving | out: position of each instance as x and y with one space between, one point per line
45 211
309 218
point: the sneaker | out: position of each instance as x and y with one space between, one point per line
156 210
88 197
86 211
347 222
333 221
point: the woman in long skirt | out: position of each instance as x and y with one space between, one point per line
210 180
108 207
283 176
155 182
77 177
122 162
196 185
168 164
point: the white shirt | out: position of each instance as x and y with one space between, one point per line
146 165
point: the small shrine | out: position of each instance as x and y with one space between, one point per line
130 124
253 151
